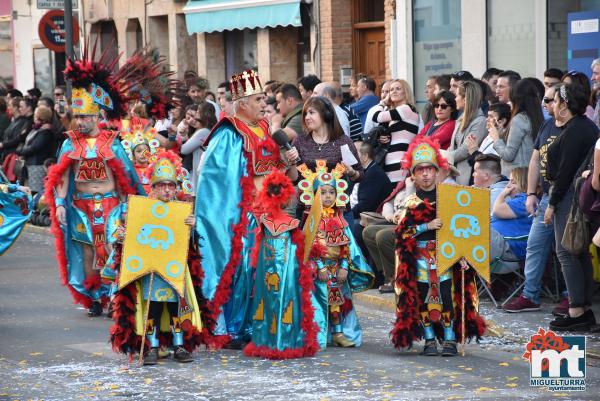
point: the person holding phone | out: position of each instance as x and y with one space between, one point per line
498 120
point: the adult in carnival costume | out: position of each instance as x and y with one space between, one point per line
428 305
87 188
240 153
283 323
341 267
16 206
172 320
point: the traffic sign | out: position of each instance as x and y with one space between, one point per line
51 30
54 4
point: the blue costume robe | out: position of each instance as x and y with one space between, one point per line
225 222
360 278
15 211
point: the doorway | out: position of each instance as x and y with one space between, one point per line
368 45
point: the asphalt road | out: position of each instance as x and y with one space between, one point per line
50 350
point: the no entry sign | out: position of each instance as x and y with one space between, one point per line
52 30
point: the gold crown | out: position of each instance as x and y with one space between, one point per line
245 84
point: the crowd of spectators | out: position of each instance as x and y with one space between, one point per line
527 140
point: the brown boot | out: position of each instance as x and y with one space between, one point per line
341 340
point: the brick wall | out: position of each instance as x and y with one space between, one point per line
335 37
389 14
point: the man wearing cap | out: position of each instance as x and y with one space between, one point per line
240 153
88 187
425 307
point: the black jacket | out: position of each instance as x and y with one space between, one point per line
16 133
372 190
38 148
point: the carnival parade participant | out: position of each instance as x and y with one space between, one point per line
240 153
87 188
16 207
172 320
283 323
340 265
426 306
141 146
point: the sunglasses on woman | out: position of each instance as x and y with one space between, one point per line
440 106
548 100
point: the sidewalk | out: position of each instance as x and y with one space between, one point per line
510 330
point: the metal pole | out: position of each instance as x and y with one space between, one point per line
69 38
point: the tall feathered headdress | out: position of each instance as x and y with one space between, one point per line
423 150
313 180
96 84
155 86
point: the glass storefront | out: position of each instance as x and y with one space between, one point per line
511 36
240 50
437 41
557 29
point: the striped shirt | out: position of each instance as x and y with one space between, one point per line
404 126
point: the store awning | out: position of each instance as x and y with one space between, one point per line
224 15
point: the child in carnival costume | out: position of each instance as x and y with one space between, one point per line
87 188
341 267
428 304
172 320
141 146
16 206
283 323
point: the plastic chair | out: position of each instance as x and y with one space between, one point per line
500 266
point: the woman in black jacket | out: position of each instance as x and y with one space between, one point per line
577 137
37 148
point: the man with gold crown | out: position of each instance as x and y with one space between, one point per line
87 188
240 153
173 320
333 251
427 304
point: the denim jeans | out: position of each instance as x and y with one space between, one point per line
539 244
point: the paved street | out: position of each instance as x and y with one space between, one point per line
50 350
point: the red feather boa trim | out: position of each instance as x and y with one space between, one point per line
475 325
308 325
240 230
54 178
407 327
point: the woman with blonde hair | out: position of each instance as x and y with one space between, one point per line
470 122
397 112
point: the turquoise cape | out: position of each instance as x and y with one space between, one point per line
219 210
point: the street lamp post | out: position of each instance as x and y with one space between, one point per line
69 38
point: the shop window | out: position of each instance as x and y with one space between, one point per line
437 37
511 36
557 29
43 70
6 55
240 50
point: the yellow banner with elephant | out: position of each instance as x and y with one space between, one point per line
156 240
465 232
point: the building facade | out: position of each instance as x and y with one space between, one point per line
285 39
